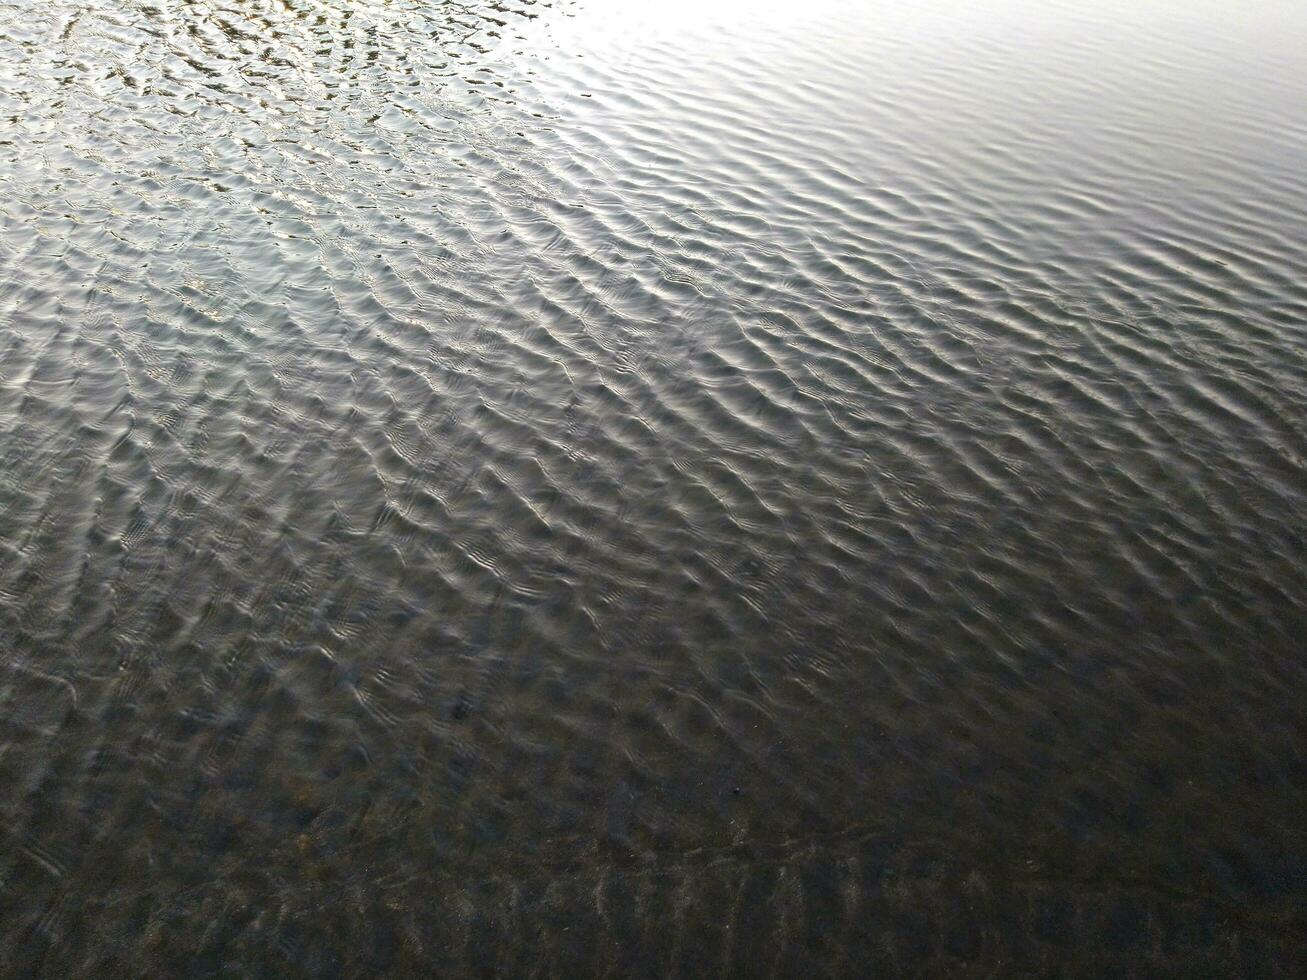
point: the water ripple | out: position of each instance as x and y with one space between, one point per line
516 488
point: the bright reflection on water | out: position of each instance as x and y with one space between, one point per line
513 488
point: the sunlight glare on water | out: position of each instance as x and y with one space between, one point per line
684 488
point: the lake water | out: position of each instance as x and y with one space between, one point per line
641 489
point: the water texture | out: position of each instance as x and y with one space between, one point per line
646 489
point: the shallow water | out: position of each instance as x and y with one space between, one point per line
670 488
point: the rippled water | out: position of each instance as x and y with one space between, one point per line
538 488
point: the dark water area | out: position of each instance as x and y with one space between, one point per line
653 489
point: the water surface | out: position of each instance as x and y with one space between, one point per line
523 488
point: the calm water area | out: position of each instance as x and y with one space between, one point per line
613 488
